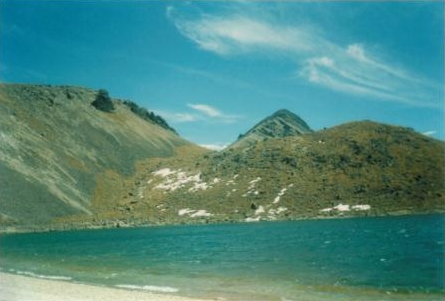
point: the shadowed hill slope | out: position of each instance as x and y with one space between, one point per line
60 155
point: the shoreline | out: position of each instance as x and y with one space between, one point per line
17 287
115 224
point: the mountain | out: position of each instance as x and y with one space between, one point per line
72 157
282 123
60 155
354 169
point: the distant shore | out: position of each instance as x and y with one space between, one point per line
112 224
17 287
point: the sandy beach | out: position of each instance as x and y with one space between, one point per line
23 288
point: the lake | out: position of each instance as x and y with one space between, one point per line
374 258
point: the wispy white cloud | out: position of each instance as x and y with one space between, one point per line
234 34
201 112
356 51
429 133
352 71
175 117
206 109
213 114
215 146
353 77
321 61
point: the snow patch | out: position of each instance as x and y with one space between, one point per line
341 207
177 179
259 210
253 219
230 182
361 207
161 208
185 211
271 214
272 211
345 207
201 213
194 213
251 189
279 195
164 172
199 186
281 209
140 192
255 181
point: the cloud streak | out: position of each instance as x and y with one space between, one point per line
236 34
210 113
430 133
215 146
206 109
322 62
201 112
176 117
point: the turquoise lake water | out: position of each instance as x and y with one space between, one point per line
381 258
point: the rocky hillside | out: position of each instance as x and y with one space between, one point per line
60 155
74 158
355 169
282 123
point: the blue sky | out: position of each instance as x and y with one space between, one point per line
215 69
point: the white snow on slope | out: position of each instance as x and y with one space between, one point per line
280 194
252 187
259 210
194 213
252 219
346 207
177 179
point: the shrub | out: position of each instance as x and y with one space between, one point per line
148 116
103 101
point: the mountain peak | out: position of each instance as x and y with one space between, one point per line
291 118
282 123
283 112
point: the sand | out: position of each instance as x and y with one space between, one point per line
23 288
